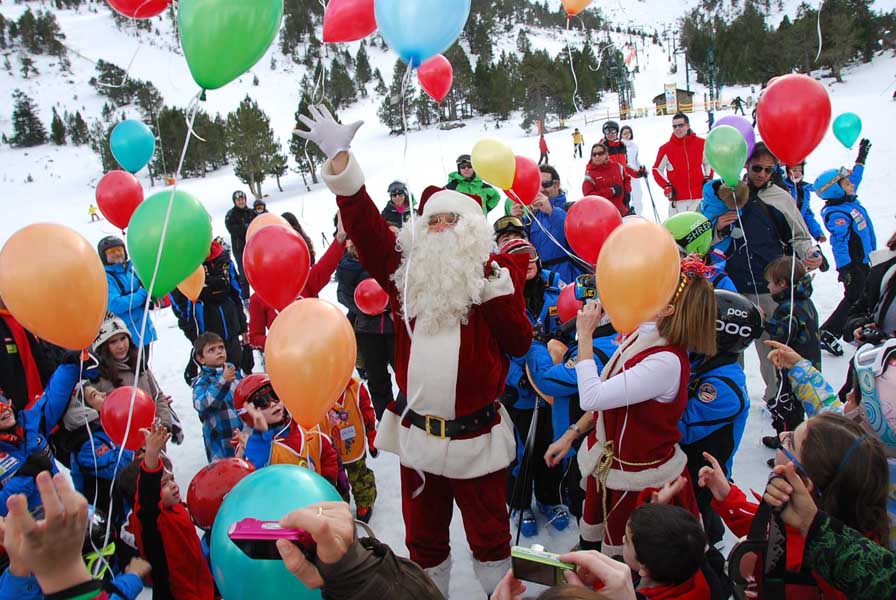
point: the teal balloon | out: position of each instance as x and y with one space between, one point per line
222 39
268 494
132 144
187 240
726 152
420 29
847 128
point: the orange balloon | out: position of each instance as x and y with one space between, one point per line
310 355
263 220
574 7
53 283
637 272
192 285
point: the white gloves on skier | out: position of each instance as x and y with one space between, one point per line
331 137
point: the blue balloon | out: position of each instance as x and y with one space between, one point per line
132 145
268 494
420 29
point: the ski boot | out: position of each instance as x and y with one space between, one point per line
829 343
556 514
364 513
530 526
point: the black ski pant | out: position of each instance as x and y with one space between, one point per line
720 443
533 471
378 351
853 279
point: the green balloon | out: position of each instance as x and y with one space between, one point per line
847 128
726 151
187 239
222 39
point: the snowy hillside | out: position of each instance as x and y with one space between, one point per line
64 178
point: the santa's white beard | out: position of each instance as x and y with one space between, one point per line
443 271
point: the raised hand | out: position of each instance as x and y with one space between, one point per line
713 477
329 135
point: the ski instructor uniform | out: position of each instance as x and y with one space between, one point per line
453 437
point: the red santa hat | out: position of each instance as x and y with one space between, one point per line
436 200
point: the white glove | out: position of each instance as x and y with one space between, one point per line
331 137
499 283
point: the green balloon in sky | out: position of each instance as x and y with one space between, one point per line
222 39
187 239
726 151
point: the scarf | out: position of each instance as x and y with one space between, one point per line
33 382
13 436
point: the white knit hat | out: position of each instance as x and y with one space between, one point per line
111 327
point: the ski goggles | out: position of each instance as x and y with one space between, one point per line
5 403
509 223
842 174
533 254
464 165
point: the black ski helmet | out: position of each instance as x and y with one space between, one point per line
738 322
110 241
238 194
96 530
610 126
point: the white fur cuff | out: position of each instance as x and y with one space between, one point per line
346 183
495 288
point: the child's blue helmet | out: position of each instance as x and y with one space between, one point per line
827 185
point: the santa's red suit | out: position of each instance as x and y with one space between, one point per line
640 397
452 378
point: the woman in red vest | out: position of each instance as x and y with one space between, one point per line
636 403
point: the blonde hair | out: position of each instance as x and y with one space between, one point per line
693 324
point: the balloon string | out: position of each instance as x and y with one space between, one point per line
127 71
439 141
818 24
575 79
582 262
405 82
193 108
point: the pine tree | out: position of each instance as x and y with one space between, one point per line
251 143
425 110
391 108
99 143
341 88
380 88
57 130
78 132
2 32
148 100
522 41
27 128
7 65
27 31
279 168
27 66
363 72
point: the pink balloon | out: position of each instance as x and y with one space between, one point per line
348 20
436 76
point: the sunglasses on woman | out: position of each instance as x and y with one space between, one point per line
598 154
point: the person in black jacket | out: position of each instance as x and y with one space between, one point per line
237 222
397 211
219 309
375 334
876 308
26 363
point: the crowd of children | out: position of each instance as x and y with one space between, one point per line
633 436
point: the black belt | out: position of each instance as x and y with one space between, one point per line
446 428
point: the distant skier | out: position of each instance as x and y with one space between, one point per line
543 148
578 140
93 215
738 104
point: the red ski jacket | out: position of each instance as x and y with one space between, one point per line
600 179
681 159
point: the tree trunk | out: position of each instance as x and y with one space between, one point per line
304 181
277 177
313 173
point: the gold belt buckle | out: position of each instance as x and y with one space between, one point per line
441 421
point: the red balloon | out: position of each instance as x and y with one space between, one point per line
140 9
348 20
588 223
526 181
370 298
793 116
117 195
567 305
114 416
277 264
436 75
210 485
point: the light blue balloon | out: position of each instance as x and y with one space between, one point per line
420 29
132 144
268 494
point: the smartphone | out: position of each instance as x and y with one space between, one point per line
538 566
258 539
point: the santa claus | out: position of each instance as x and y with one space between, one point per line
464 313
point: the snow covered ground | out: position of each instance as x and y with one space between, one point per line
64 180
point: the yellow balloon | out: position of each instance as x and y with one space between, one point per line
310 355
262 221
53 283
494 162
192 285
638 270
574 7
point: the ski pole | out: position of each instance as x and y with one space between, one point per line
656 215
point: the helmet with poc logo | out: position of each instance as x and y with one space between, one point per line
738 322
